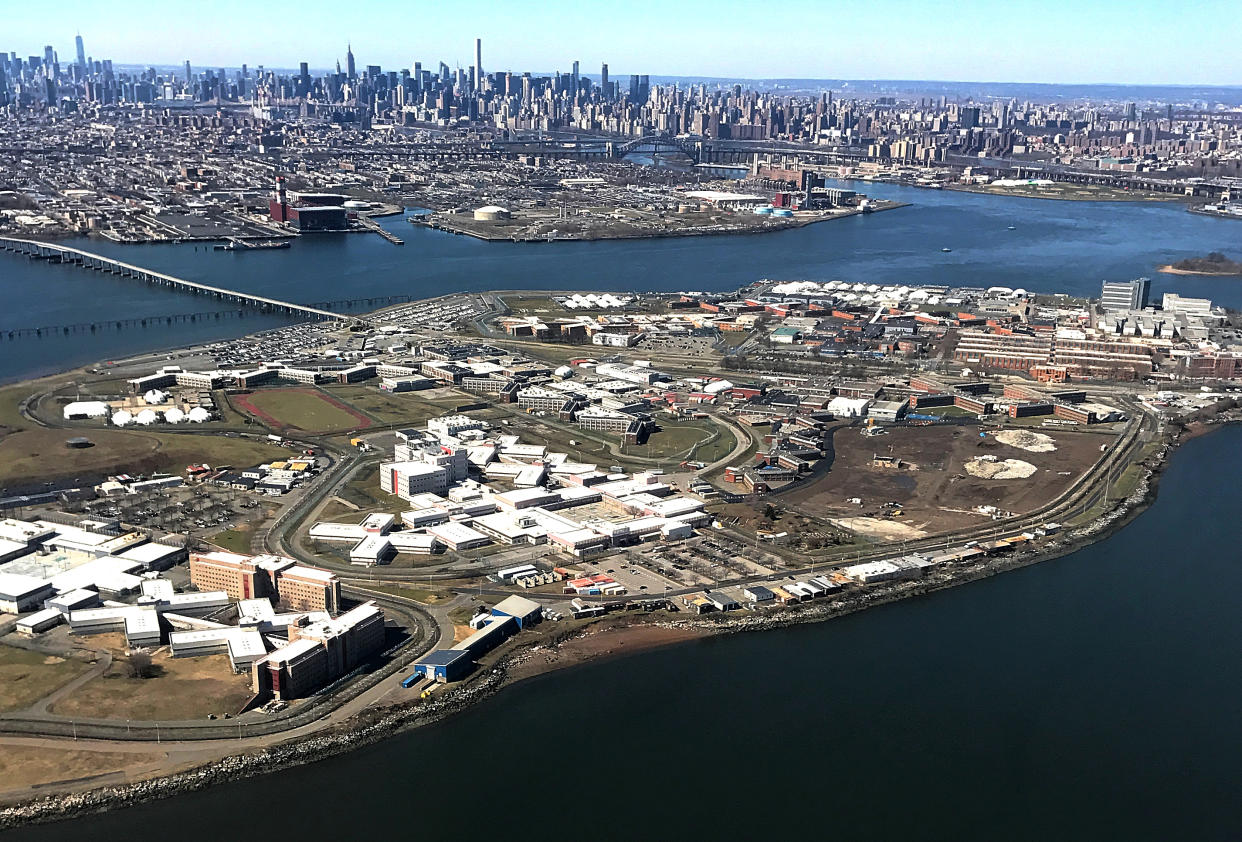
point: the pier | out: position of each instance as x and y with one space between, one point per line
57 253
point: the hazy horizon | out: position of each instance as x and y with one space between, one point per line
1109 42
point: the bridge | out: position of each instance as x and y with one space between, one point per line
164 319
658 142
65 254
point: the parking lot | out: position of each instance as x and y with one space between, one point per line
197 511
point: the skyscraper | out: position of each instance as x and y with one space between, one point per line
77 40
478 63
350 71
603 79
189 77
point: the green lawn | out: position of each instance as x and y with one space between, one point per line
303 409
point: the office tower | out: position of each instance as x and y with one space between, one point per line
49 56
603 79
575 78
1126 295
189 77
351 71
478 63
77 41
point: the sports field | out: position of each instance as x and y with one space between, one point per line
308 410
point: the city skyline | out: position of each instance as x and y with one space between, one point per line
700 40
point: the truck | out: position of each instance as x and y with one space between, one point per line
275 438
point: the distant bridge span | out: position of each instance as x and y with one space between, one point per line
66 254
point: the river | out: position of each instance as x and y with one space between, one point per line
1055 247
1090 697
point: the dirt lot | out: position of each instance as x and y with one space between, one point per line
26 677
932 489
182 688
23 766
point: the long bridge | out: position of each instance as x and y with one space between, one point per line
164 319
66 254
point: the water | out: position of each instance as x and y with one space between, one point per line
1091 697
1056 247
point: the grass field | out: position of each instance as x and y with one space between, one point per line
423 595
41 453
185 688
23 766
309 410
26 677
363 490
235 540
410 408
677 437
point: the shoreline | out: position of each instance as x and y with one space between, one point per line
1170 269
1139 198
694 232
620 638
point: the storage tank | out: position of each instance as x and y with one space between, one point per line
782 212
764 210
491 213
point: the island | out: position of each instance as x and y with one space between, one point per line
515 482
1214 264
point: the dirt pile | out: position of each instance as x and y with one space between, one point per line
1027 440
986 467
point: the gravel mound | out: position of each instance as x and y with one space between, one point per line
1027 440
991 468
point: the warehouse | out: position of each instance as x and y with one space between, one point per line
489 637
40 621
412 543
19 594
371 550
527 612
444 665
458 536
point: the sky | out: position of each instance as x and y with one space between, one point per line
1058 41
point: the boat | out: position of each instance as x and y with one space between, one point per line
1012 228
946 249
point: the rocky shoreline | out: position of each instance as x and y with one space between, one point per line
369 728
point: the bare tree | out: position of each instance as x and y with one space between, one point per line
140 664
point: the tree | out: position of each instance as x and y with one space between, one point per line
139 664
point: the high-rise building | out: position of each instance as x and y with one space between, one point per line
77 41
189 77
350 70
1125 295
603 79
478 63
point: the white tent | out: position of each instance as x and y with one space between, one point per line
174 416
198 415
155 396
86 409
147 416
121 418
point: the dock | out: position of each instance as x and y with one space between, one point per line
372 225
